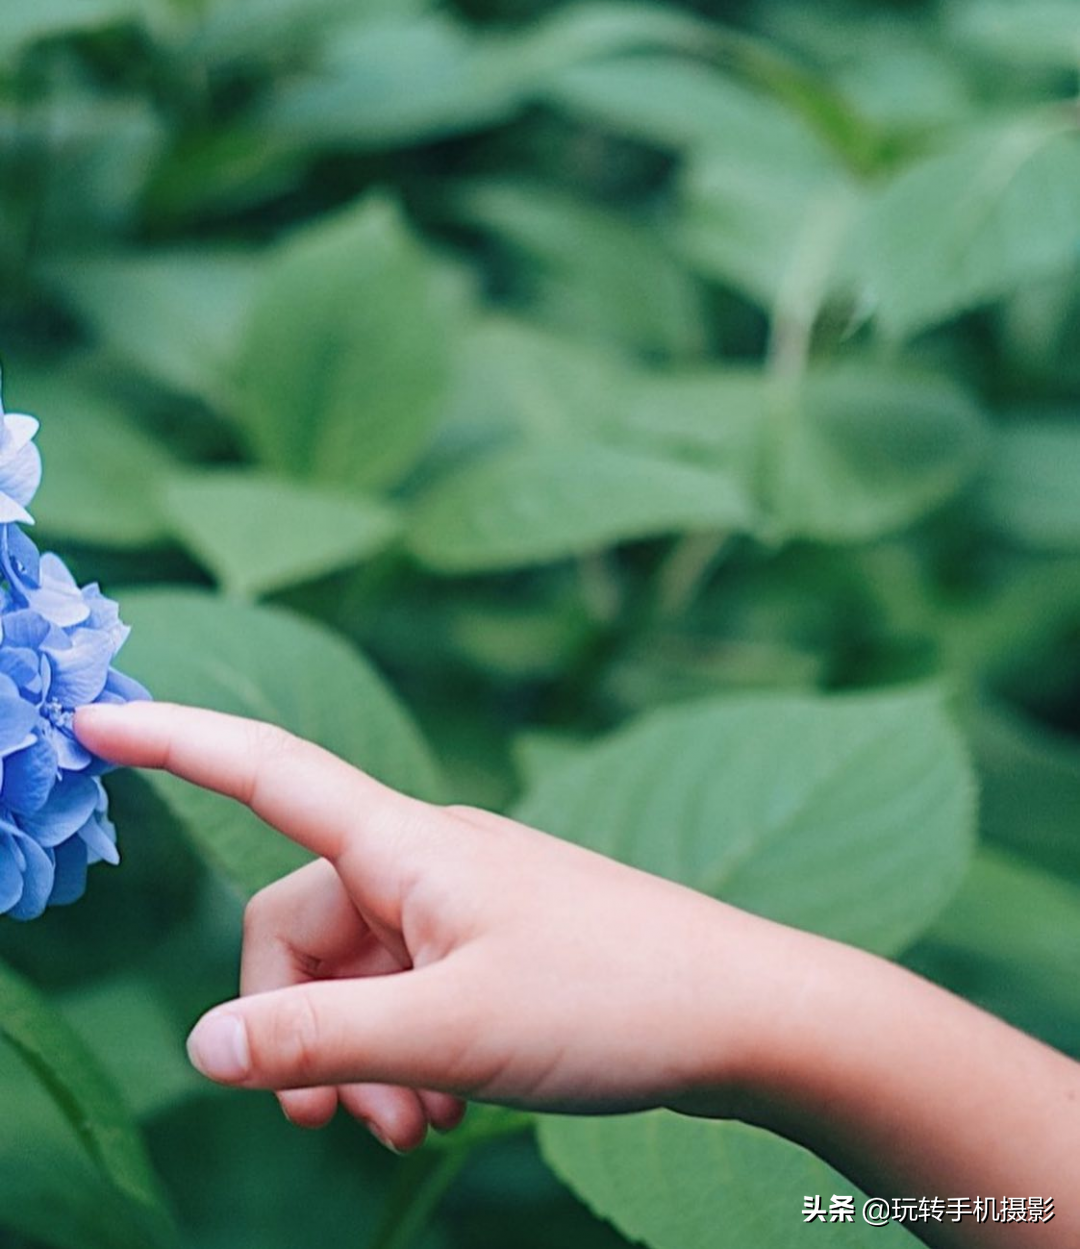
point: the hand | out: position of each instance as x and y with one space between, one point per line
433 953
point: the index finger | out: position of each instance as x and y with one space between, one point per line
303 791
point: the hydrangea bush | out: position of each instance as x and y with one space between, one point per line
57 643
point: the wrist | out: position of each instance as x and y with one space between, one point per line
769 1041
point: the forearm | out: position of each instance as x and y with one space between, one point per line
912 1092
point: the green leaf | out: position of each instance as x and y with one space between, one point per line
26 21
516 380
243 30
1010 941
51 1192
106 147
88 1101
102 476
1040 32
269 664
398 82
137 1039
869 451
176 315
683 104
853 452
759 192
995 211
258 533
551 501
1031 494
851 816
346 356
1030 787
598 273
679 1183
390 83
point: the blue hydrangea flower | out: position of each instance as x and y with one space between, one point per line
20 465
58 641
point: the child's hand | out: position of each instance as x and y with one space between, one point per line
435 953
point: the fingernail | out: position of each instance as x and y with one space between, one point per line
386 1144
218 1047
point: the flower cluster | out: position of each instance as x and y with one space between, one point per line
57 644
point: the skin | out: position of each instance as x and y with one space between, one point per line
431 955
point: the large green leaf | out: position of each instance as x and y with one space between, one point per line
679 1183
851 816
404 81
396 82
553 500
761 195
598 273
137 1039
1010 941
516 380
259 533
1030 787
850 453
28 20
996 210
271 665
863 451
346 356
51 1191
92 1107
101 475
175 315
1032 490
1038 32
245 30
848 815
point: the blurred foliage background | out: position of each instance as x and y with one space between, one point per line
656 420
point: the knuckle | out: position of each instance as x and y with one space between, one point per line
270 740
258 913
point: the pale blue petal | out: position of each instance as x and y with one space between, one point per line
20 475
71 803
69 884
79 666
38 877
99 834
29 776
11 875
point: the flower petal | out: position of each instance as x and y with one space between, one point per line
71 755
29 776
20 475
69 884
99 834
79 667
11 875
38 877
71 803
58 597
18 719
18 431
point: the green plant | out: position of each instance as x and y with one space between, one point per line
558 408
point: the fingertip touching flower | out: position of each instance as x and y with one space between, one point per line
58 641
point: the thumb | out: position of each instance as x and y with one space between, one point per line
393 1029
